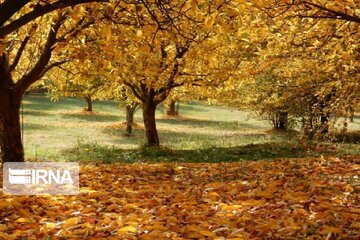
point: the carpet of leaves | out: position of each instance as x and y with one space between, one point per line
314 198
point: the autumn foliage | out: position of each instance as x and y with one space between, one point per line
293 62
314 198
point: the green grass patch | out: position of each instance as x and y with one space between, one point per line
56 131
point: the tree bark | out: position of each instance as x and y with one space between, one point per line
149 108
130 110
11 145
352 113
280 120
89 107
10 132
283 120
324 127
324 117
171 111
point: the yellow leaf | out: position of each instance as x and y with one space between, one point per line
194 6
108 32
231 207
71 221
139 33
127 229
4 236
22 220
207 233
4 204
158 227
196 235
329 229
355 225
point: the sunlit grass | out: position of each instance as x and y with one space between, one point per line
61 130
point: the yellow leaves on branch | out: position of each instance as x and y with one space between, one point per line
313 198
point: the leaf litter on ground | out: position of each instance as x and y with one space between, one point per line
311 198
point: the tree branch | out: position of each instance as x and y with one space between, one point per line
135 91
43 60
19 53
51 66
37 12
76 30
336 14
9 8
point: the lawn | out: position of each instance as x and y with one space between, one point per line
58 131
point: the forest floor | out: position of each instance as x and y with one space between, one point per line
203 183
308 198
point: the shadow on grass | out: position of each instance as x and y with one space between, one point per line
37 126
202 123
91 117
96 152
36 113
193 106
348 137
357 117
193 139
44 103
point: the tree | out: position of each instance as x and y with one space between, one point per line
81 85
311 74
33 39
131 103
172 47
171 108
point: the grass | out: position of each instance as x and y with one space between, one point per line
56 131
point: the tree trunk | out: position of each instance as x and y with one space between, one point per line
171 111
130 109
280 120
11 145
89 103
324 119
177 107
324 127
10 132
352 113
283 120
149 108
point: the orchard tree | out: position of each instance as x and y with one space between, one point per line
65 81
126 98
312 73
173 44
34 37
317 29
172 106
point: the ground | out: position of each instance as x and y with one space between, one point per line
311 198
220 174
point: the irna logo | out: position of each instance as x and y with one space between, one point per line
39 176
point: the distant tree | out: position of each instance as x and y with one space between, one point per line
172 49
